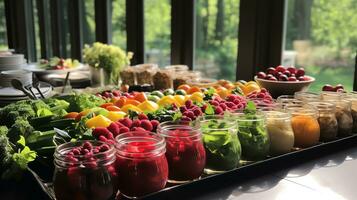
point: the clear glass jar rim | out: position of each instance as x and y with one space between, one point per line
165 128
107 157
274 114
157 148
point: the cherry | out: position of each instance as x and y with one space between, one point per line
280 68
339 86
328 87
300 72
301 78
292 70
292 78
287 73
271 71
283 77
261 75
273 79
269 76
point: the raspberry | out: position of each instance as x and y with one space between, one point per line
116 93
126 122
100 131
76 152
236 101
103 139
189 114
188 103
214 103
138 129
223 106
218 110
136 123
231 97
183 109
146 124
154 124
197 112
124 129
110 136
87 145
119 124
104 147
263 90
142 116
185 118
114 128
230 104
261 95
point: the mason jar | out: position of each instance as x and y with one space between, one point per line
353 98
280 131
327 120
253 136
185 152
331 96
141 163
284 100
220 139
305 125
85 170
307 96
344 117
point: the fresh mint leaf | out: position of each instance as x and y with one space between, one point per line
177 116
250 108
21 141
209 110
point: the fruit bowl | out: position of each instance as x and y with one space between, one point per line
277 88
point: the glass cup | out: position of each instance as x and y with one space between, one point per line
185 152
305 125
141 163
280 131
327 120
85 169
223 150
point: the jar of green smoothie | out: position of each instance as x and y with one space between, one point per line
223 150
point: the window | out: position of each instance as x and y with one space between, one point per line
321 36
118 23
157 31
88 22
217 38
3 36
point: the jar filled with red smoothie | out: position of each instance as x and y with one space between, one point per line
141 163
185 152
85 170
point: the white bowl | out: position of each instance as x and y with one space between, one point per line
278 88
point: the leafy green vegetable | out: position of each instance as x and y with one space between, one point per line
21 127
209 94
209 110
250 108
80 102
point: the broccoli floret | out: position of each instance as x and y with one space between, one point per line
5 148
10 113
20 127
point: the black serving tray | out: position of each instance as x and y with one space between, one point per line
240 174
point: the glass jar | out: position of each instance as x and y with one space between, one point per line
331 96
253 136
305 125
177 68
284 100
344 117
307 96
352 96
185 152
145 73
85 170
223 150
281 134
127 76
264 104
181 78
327 120
141 163
163 79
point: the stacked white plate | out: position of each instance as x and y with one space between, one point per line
10 94
10 61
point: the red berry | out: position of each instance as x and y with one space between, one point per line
287 73
292 70
140 129
273 79
103 139
263 90
189 114
100 131
218 110
301 78
214 103
283 77
237 101
197 112
136 123
110 136
203 108
230 104
126 122
87 145
223 106
114 128
261 75
300 72
231 97
124 129
188 103
271 71
146 124
116 93
292 78
142 116
154 124
339 86
185 118
183 109
261 95
280 68
104 148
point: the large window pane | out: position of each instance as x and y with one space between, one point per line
118 23
88 22
157 31
217 38
321 36
3 36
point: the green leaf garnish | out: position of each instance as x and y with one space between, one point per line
209 110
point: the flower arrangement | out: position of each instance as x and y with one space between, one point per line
110 58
